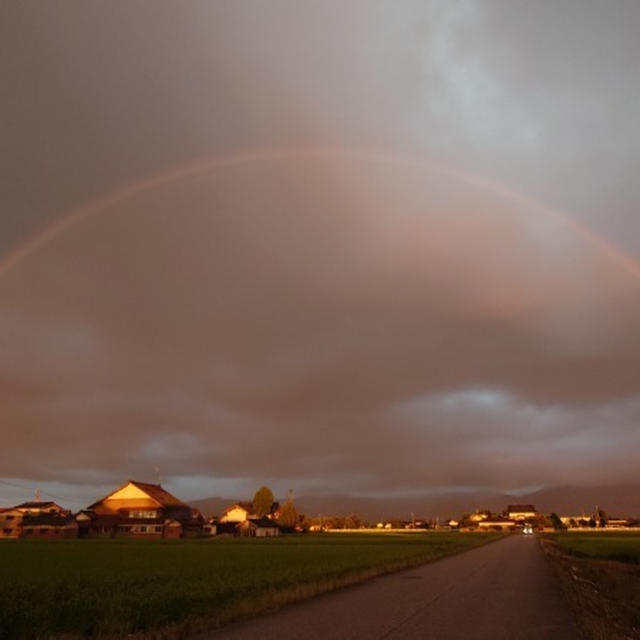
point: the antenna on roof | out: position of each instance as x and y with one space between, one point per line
37 495
158 476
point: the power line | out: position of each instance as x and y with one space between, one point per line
33 490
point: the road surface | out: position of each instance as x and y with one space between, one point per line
503 590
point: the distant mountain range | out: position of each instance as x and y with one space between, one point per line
616 500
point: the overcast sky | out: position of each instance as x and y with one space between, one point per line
404 257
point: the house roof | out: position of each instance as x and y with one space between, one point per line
165 498
264 523
247 506
521 508
159 495
37 505
47 519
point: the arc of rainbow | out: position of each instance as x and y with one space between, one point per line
68 221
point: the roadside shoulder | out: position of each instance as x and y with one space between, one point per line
603 596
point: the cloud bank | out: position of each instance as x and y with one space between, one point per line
323 322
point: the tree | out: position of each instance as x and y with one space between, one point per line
602 518
288 515
262 501
557 524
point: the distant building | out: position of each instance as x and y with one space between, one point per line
479 516
521 512
210 527
616 523
237 512
241 511
496 523
11 523
573 522
141 510
258 528
37 519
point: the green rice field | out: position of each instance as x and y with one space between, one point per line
619 546
111 588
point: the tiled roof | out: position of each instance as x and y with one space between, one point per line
36 505
154 491
264 522
47 519
165 498
247 506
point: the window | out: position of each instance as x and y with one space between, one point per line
7 532
158 529
29 530
43 530
9 517
142 514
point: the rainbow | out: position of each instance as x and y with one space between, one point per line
48 233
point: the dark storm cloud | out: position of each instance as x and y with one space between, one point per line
325 321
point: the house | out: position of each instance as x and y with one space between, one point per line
49 525
479 516
521 512
258 528
238 512
617 523
11 523
210 527
241 511
37 520
37 507
573 522
140 510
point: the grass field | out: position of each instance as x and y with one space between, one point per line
116 587
619 546
600 576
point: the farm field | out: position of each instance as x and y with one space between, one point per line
600 576
618 546
118 587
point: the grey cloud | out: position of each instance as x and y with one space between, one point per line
267 320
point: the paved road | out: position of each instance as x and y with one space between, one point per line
503 590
